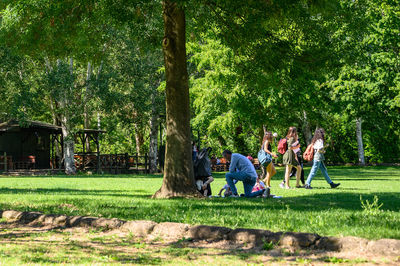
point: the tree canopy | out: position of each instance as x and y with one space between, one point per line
227 69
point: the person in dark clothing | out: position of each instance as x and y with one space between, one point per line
294 170
202 172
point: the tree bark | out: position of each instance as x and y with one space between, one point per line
69 149
238 140
153 134
178 178
139 139
307 129
68 138
261 133
360 144
86 115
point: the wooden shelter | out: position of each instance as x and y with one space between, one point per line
34 144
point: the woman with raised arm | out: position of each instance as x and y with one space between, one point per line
290 158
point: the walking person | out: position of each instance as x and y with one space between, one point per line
243 170
268 171
294 169
290 158
318 159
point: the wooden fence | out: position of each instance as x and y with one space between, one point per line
6 162
112 163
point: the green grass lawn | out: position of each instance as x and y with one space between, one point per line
322 210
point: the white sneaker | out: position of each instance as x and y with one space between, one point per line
234 196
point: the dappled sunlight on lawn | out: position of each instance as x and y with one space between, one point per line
321 210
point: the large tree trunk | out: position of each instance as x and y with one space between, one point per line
153 134
360 144
178 170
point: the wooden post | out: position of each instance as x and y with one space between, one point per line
98 153
53 157
83 139
5 161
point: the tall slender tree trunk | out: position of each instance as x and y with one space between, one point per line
360 144
178 178
153 134
238 140
306 129
261 133
98 121
68 137
54 106
69 148
139 138
86 115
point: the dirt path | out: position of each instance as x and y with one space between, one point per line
21 244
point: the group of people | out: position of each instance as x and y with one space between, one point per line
242 169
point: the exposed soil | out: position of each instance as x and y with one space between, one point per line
122 247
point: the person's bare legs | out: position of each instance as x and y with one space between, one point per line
264 173
267 179
298 175
287 175
271 171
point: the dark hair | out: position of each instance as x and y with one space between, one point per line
267 136
226 152
292 133
319 134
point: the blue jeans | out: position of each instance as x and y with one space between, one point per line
318 165
248 184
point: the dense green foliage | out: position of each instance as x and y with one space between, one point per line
302 63
322 210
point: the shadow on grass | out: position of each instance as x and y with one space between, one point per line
83 192
85 176
365 179
340 199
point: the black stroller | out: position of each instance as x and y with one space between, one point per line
202 171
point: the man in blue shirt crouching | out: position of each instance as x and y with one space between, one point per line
243 170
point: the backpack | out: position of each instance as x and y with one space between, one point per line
308 155
263 157
282 146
